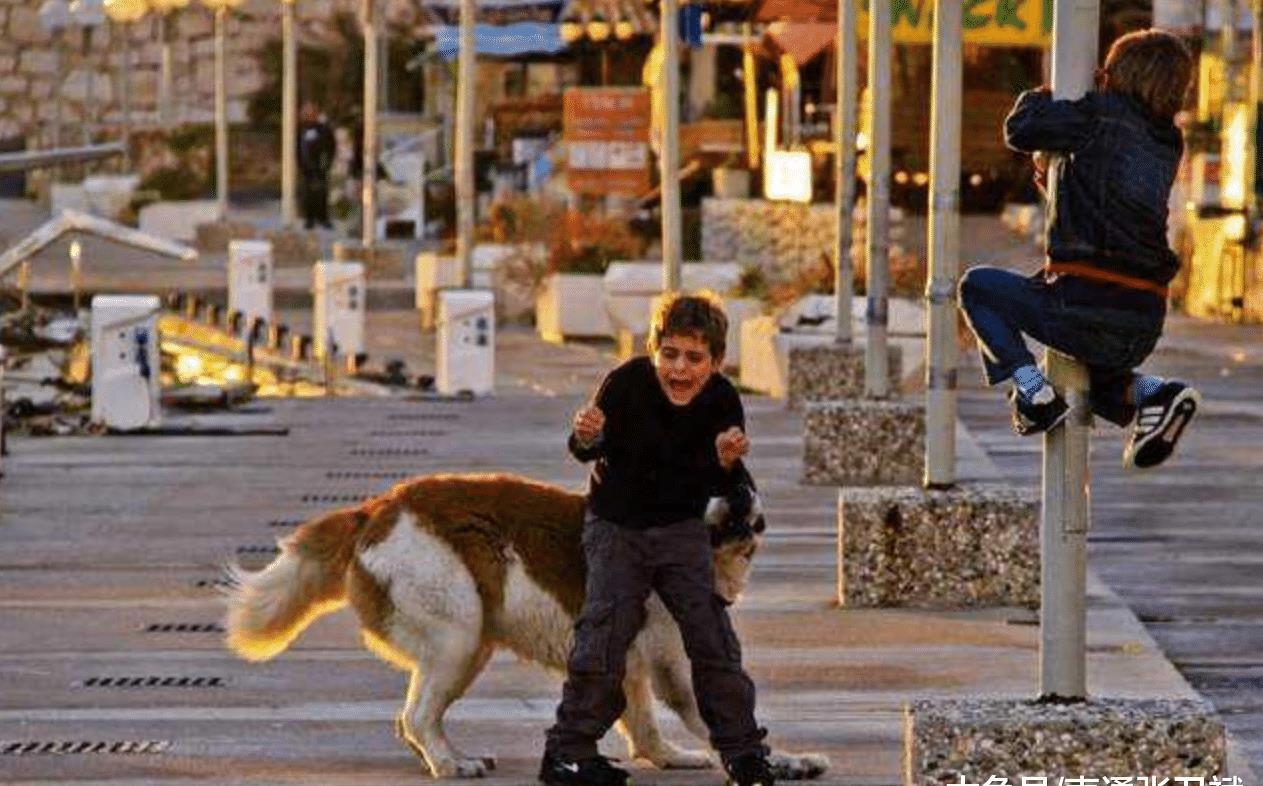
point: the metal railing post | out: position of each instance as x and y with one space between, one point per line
944 244
289 115
1065 520
844 169
368 184
876 372
670 159
466 193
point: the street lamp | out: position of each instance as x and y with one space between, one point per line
54 17
124 13
221 9
289 113
166 35
87 15
571 31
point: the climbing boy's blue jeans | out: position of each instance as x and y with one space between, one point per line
1109 328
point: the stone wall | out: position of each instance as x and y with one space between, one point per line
779 237
28 64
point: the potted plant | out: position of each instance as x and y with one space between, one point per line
571 298
731 180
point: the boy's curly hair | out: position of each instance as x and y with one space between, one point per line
1152 66
700 314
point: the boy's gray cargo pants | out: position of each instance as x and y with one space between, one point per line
624 564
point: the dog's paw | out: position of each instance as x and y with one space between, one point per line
460 768
669 757
797 767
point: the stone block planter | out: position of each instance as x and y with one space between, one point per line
67 196
828 372
109 195
381 261
972 740
294 248
730 183
178 220
864 443
215 236
631 287
969 546
571 305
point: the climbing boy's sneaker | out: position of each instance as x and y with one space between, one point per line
1036 417
1160 420
557 770
749 769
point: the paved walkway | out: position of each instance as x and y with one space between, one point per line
109 541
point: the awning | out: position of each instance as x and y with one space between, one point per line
523 38
803 41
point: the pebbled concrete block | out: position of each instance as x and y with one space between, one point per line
380 262
864 443
975 545
971 740
829 372
294 248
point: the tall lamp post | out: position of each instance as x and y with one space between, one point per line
87 16
54 17
221 9
125 13
368 188
289 113
166 35
466 195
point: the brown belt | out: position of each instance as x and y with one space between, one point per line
1097 274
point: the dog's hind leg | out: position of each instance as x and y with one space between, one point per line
640 728
448 656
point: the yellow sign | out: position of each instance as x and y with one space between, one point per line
987 22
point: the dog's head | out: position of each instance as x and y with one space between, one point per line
736 530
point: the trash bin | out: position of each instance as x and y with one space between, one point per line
338 309
250 279
125 370
466 342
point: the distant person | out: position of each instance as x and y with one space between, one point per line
316 151
1101 296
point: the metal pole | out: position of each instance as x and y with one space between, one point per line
166 71
89 93
1065 519
58 45
466 193
944 243
1256 104
289 114
125 85
749 79
844 169
368 190
221 112
670 160
419 230
876 383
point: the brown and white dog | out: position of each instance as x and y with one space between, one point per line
443 570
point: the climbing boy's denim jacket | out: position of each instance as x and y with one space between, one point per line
1108 220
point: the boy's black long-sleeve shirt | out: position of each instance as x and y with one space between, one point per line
656 462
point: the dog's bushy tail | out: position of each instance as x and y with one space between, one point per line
269 608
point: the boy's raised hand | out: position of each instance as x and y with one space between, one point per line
588 423
731 445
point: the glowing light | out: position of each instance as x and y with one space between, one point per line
787 175
598 29
234 374
624 29
188 367
571 31
920 179
901 177
975 180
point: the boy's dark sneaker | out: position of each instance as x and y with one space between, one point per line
749 769
1160 420
1030 418
557 770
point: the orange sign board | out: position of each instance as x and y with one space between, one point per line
606 131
